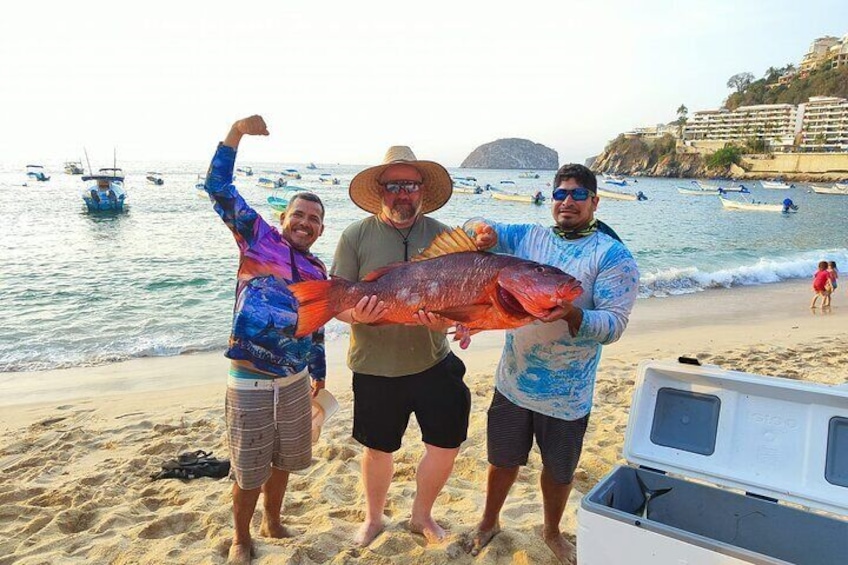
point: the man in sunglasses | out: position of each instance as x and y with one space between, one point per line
400 369
546 375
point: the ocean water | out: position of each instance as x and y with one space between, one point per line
78 289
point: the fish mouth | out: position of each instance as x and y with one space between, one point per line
510 304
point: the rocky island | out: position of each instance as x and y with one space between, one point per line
512 153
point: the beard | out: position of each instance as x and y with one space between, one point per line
403 211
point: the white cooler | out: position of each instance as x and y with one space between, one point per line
728 468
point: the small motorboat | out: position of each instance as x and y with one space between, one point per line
614 180
246 171
291 174
751 205
537 198
155 179
616 195
327 178
264 182
311 166
776 185
726 188
698 191
74 167
462 189
281 202
200 188
36 172
838 189
528 175
108 194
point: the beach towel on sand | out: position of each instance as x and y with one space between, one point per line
193 465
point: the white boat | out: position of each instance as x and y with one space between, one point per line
615 195
775 185
614 180
291 173
108 194
837 189
246 171
264 182
756 206
36 172
461 189
200 187
697 191
74 167
528 175
726 188
327 178
538 198
155 178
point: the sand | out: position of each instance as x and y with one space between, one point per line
78 445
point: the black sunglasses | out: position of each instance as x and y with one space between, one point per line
578 194
409 186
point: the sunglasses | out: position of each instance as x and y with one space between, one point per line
578 194
409 186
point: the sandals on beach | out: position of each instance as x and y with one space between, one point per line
193 465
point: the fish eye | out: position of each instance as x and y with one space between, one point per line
540 269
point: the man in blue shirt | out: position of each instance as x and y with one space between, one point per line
546 375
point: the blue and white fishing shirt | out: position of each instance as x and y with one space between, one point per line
542 367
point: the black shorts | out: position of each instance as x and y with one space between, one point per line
510 432
438 397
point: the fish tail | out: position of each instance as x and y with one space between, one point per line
315 304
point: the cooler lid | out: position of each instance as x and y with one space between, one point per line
770 436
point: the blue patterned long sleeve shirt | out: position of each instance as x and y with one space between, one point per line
265 312
542 367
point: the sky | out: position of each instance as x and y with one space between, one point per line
340 81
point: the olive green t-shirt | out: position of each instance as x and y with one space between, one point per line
391 350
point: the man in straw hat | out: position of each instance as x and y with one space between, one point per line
398 369
268 408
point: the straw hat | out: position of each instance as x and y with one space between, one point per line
436 189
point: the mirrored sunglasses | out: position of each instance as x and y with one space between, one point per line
409 186
578 194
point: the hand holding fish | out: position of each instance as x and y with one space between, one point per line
432 322
565 310
369 309
484 235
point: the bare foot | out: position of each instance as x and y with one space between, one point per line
276 530
428 527
367 532
481 537
239 554
562 548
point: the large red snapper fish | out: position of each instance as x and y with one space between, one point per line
477 290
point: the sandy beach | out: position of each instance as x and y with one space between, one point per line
78 445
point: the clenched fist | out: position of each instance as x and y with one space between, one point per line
254 125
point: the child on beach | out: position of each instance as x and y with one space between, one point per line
834 274
821 282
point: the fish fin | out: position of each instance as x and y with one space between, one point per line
466 313
315 307
377 273
453 241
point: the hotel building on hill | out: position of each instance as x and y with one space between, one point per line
819 52
777 124
820 125
824 124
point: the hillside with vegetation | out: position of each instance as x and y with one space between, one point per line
767 90
661 157
629 155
